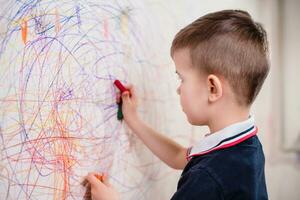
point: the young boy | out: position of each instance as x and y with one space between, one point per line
221 59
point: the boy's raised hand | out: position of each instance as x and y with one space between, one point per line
129 103
101 190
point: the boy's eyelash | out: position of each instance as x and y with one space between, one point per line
179 78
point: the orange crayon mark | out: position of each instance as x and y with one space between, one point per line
24 29
99 177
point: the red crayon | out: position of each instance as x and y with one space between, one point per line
122 88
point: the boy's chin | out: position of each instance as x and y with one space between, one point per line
195 122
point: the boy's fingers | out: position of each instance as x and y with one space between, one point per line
132 92
93 180
125 96
105 180
84 182
131 89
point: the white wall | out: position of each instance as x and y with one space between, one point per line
282 164
157 24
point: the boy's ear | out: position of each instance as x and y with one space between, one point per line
214 86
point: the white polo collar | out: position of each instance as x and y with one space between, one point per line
227 137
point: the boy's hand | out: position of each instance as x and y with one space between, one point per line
129 104
101 190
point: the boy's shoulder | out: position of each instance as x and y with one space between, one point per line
227 172
246 155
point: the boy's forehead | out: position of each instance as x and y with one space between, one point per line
182 59
182 54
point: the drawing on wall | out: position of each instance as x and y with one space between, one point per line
58 60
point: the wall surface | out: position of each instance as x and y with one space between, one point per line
58 60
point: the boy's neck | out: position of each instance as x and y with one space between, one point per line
224 119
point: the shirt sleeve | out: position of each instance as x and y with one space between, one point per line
198 184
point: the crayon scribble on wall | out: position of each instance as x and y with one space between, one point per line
57 101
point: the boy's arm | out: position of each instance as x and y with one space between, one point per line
170 152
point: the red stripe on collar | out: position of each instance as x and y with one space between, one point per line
189 157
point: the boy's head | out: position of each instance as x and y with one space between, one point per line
226 53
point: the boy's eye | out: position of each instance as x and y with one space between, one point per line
179 78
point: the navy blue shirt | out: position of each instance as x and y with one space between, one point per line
233 172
